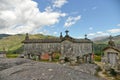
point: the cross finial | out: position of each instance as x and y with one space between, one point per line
27 36
111 43
85 36
110 37
66 32
61 35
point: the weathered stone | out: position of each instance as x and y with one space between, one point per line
33 70
66 46
8 63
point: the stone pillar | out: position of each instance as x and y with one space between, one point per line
28 56
62 60
85 58
36 57
50 56
32 56
73 61
78 59
39 57
90 58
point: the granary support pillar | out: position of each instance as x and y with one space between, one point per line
39 57
28 55
85 58
90 57
50 56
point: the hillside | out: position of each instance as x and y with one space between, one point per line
101 43
13 42
105 40
4 35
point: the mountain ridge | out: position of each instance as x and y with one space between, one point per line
4 35
104 40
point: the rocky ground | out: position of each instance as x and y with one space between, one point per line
87 68
24 69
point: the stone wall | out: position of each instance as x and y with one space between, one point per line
80 49
66 48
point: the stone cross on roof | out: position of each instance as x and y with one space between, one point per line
110 38
61 35
111 43
66 32
85 36
27 36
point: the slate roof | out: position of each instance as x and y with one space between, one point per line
109 47
57 40
54 40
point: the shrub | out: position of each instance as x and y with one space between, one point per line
97 58
113 72
11 55
44 60
56 55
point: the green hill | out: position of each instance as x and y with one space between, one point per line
116 39
4 35
13 43
100 44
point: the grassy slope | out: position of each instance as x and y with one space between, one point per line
101 44
116 39
12 43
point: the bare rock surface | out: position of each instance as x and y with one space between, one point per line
87 68
6 63
32 70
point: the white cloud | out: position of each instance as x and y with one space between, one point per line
98 34
21 16
45 32
90 28
114 30
71 20
91 34
118 24
59 3
54 33
48 9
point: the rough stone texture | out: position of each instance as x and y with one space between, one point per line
87 68
7 63
32 70
67 46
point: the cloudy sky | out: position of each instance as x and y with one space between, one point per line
91 17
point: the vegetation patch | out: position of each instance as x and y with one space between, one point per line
97 58
11 55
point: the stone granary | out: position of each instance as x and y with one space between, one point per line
111 56
67 46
